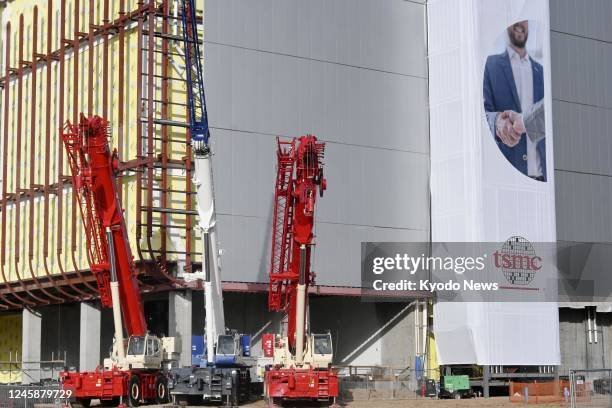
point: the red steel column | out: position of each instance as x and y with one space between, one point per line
7 65
105 87
75 119
121 85
32 131
90 55
139 156
18 191
164 141
46 187
60 152
150 123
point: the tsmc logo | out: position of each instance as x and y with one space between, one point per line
524 262
518 261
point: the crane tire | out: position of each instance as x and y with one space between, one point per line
134 391
82 403
161 390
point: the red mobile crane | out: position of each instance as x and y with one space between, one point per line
134 373
301 368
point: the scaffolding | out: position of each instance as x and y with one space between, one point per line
17 371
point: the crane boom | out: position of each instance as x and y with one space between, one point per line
196 99
203 179
301 368
93 169
135 373
299 176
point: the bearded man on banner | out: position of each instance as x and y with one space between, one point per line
513 90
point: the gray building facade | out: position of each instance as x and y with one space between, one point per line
353 73
581 56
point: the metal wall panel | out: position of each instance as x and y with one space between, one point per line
373 194
581 68
383 35
351 72
581 54
589 19
583 207
583 133
269 93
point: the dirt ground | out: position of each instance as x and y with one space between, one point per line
494 402
418 403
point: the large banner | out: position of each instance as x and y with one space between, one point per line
492 172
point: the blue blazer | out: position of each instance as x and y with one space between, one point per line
500 94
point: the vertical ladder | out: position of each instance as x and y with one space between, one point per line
164 140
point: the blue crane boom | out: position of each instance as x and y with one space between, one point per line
196 100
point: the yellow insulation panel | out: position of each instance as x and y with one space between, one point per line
10 348
24 256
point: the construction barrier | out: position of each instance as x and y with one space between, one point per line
539 392
16 371
364 383
591 388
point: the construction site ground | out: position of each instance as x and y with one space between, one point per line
426 402
493 402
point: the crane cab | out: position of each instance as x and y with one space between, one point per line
322 353
318 352
231 348
144 352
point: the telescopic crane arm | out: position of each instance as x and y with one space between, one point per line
301 368
203 179
93 167
196 99
134 372
299 179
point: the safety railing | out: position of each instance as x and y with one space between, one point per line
16 371
591 388
539 391
363 383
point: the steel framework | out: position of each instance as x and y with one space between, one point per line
73 80
161 135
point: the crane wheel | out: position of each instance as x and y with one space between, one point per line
82 403
273 402
134 391
161 390
110 403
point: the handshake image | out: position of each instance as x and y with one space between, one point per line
510 125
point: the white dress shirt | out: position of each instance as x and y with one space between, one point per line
523 78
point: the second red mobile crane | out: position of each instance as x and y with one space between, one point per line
134 374
301 368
